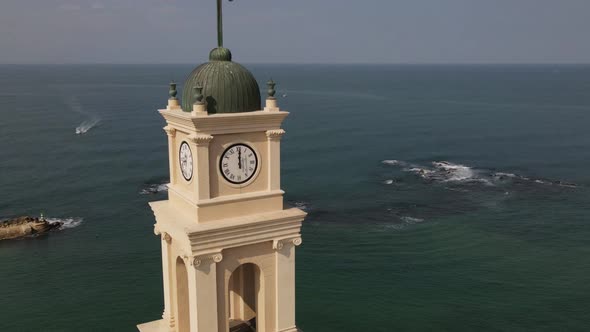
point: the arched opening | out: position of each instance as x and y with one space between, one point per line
246 299
182 305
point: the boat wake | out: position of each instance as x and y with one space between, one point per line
92 121
85 126
448 172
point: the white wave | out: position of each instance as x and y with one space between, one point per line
388 182
508 175
301 205
394 162
411 220
154 189
67 223
454 172
448 172
502 176
425 173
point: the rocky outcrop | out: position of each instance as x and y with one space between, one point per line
25 226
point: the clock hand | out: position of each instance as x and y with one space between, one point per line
239 158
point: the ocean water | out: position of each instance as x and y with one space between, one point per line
440 198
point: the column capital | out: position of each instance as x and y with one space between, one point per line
198 260
200 139
279 244
170 131
275 134
165 236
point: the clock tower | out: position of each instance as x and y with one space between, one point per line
228 241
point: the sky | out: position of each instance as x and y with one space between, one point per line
296 31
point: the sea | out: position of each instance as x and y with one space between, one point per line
440 197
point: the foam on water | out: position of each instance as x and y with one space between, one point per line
67 223
154 188
411 220
302 205
448 172
394 162
455 172
406 221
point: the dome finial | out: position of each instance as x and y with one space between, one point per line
220 23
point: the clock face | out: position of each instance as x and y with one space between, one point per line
238 163
186 161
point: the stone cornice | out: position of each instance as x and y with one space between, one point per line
237 232
199 239
225 123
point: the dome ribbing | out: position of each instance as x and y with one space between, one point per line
228 87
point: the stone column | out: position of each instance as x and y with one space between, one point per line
168 314
285 283
200 143
274 158
171 151
203 292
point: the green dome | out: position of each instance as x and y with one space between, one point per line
228 87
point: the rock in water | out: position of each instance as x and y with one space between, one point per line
25 226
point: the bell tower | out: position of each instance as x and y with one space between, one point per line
228 242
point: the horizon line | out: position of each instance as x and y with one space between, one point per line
309 63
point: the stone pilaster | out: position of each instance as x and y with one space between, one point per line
274 158
285 281
203 304
168 314
200 143
171 132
